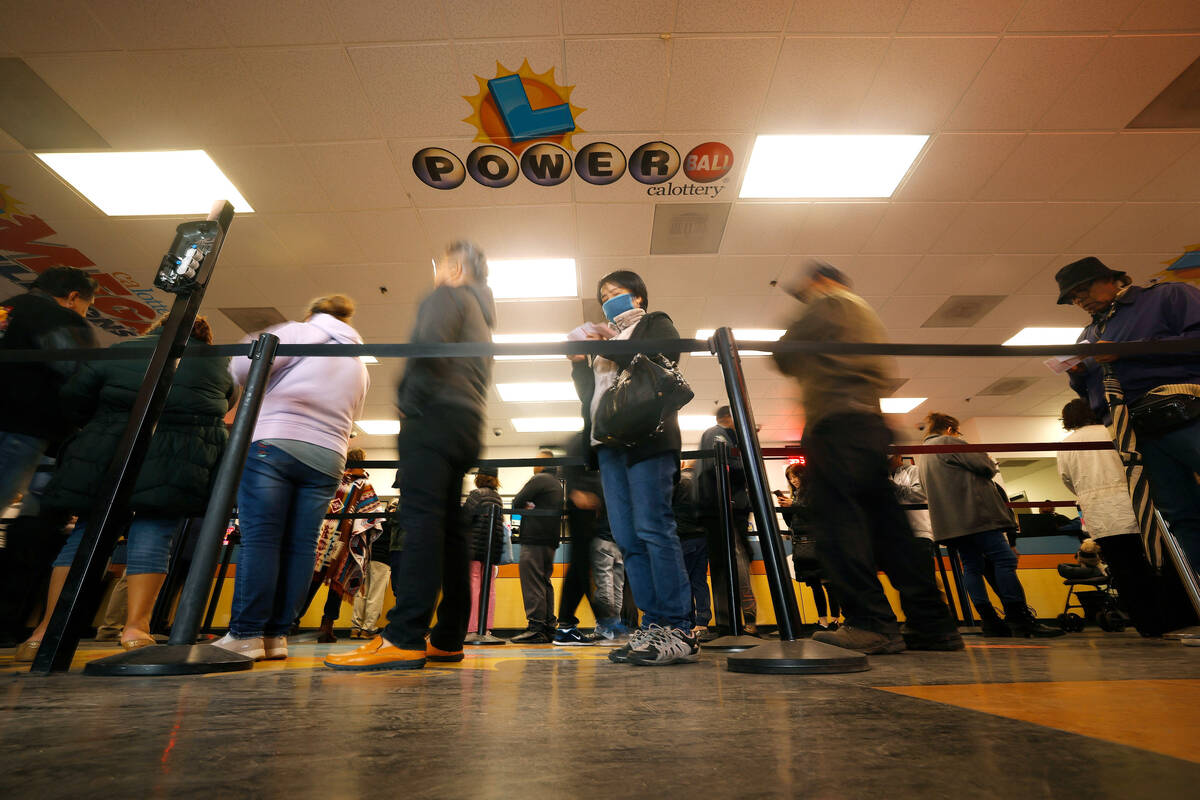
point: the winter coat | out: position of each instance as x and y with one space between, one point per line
963 498
545 493
475 512
187 444
1097 478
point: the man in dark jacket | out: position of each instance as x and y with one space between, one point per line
692 540
50 316
443 404
859 525
1122 312
539 540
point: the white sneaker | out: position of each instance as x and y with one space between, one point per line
247 647
275 647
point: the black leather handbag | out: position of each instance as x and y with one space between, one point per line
1155 415
644 394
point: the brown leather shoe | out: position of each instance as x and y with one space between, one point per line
26 652
377 654
436 654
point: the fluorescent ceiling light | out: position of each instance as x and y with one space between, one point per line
1036 336
745 334
900 405
696 422
378 427
368 359
547 424
533 278
544 392
168 182
534 338
823 166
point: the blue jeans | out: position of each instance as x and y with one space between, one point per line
281 502
638 499
148 550
19 457
1171 461
973 549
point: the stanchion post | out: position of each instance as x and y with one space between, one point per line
941 567
1187 575
482 637
218 585
737 641
787 656
960 587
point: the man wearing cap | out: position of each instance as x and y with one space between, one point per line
860 526
1162 392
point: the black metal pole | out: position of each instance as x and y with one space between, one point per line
725 501
110 511
482 637
218 586
166 595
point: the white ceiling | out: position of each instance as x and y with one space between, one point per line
314 109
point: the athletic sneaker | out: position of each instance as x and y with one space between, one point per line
275 647
611 635
252 647
572 637
532 636
666 646
636 639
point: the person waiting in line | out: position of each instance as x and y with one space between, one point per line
296 460
611 588
584 505
344 545
1160 391
714 529
969 514
443 405
540 534
858 522
368 603
174 480
692 539
907 480
1097 478
804 552
484 504
638 483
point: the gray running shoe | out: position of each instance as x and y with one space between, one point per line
667 646
636 639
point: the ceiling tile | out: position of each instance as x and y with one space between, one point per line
1072 15
614 229
1042 162
957 165
391 235
1021 80
507 231
746 275
94 85
700 95
911 227
878 275
1125 164
910 312
762 227
414 89
621 82
287 286
481 57
53 26
155 24
316 239
1055 226
314 92
1127 73
387 21
7 143
684 279
355 176
1135 228
1161 15
1176 182
538 316
483 19
848 16
973 274
1021 311
300 22
820 82
921 80
834 228
251 243
617 16
983 227
954 16
713 16
272 179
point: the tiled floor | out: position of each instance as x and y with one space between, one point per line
1089 715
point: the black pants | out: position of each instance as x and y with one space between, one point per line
860 528
1140 590
435 451
717 565
819 592
581 524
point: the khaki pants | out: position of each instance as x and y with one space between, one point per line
114 612
368 603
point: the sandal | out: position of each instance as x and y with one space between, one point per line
134 644
26 651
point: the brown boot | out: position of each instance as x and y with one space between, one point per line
326 635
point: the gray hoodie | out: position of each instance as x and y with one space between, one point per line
963 498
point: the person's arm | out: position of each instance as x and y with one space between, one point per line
979 463
527 494
909 488
821 321
658 327
439 319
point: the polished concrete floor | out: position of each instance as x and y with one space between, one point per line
1087 716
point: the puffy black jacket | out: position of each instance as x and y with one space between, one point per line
29 402
187 444
475 512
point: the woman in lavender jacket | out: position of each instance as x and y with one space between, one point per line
296 459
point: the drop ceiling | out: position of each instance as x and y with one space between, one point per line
314 108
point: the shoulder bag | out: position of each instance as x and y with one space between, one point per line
644 394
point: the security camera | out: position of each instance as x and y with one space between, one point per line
496 431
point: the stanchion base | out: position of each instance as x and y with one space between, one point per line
171 659
801 657
970 630
486 640
731 644
1184 633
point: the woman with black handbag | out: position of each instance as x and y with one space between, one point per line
804 551
630 405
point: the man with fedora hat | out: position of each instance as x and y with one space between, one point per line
1162 392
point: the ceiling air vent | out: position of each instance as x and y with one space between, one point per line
1006 386
963 310
253 320
688 228
1177 106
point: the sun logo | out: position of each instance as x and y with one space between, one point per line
517 109
1185 269
9 205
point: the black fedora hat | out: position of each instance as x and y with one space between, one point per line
1077 273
